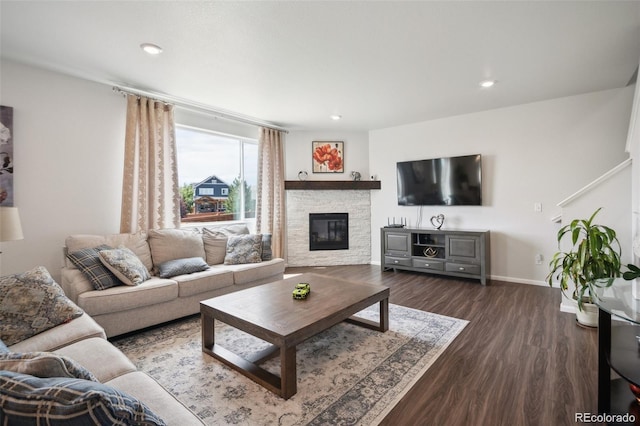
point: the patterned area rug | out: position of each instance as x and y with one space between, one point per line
346 374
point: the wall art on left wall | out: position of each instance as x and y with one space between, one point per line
6 155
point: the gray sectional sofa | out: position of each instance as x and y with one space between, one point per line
123 308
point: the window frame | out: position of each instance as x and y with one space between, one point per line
242 141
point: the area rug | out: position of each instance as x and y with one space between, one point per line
346 374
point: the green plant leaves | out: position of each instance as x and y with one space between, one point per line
595 254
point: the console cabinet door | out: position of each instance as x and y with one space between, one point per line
463 248
397 243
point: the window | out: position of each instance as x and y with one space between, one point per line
218 176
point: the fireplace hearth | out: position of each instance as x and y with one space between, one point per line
328 231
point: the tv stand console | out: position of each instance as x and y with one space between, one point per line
445 252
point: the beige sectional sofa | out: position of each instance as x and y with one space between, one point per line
67 398
114 284
124 308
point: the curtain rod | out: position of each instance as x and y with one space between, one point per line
197 107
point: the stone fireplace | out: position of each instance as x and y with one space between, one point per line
356 204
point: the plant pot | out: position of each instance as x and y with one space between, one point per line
588 316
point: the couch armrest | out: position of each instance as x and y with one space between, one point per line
74 283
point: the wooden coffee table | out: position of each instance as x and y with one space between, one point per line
270 313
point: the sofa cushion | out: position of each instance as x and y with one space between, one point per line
100 357
171 268
201 282
31 303
88 261
171 244
215 247
215 240
78 329
44 364
68 401
162 402
116 299
137 243
254 272
243 249
125 265
226 230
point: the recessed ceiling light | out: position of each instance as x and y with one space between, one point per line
151 49
487 83
336 117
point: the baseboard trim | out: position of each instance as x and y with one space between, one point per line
498 278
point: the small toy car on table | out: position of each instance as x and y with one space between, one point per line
301 291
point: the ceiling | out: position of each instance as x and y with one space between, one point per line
294 63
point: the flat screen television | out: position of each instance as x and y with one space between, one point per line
449 181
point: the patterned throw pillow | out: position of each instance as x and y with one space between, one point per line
31 303
88 261
243 249
44 364
125 265
65 401
215 240
171 268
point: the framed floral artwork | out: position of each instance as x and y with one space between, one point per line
327 156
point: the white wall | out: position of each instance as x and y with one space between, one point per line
535 153
298 153
69 143
69 149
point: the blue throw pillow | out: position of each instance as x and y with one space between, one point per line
189 265
3 348
27 399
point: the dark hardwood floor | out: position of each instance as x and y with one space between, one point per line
519 361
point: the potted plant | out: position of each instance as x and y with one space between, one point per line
594 255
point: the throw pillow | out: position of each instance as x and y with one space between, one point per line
171 268
170 244
215 247
87 260
243 249
44 364
215 240
31 303
65 401
267 254
224 231
3 348
125 265
137 243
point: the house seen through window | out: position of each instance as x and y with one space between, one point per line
218 176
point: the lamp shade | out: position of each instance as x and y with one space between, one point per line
10 227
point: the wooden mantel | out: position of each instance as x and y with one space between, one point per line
331 184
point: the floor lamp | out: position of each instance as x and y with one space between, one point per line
10 226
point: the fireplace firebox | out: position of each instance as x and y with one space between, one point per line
328 231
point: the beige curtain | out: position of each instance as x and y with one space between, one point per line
270 213
150 194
